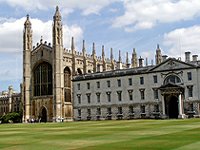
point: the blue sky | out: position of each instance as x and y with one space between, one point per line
120 24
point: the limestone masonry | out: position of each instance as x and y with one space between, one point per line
64 85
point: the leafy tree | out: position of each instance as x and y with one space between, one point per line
11 117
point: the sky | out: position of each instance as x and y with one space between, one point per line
118 24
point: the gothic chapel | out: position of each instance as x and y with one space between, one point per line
48 70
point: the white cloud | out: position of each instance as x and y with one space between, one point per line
11 33
182 40
87 6
145 14
11 37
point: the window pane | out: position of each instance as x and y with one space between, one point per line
43 79
130 81
141 80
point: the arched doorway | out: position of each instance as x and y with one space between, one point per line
173 107
43 114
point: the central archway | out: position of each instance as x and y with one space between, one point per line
173 107
43 114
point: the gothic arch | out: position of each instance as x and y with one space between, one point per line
67 84
43 114
79 71
42 79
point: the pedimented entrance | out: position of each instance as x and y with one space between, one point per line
43 114
172 102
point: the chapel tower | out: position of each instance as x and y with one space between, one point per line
58 83
27 46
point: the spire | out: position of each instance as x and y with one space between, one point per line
111 58
94 58
27 16
158 55
111 54
127 60
72 45
57 29
103 58
103 53
57 15
83 48
84 58
27 23
146 61
134 59
158 47
134 52
93 50
120 58
119 63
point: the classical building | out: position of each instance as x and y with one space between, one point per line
169 89
48 70
10 101
62 85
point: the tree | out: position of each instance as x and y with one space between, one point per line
11 117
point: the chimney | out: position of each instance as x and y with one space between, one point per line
187 56
141 62
194 57
164 57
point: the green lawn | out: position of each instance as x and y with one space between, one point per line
106 135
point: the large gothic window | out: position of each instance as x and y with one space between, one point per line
172 79
67 84
43 79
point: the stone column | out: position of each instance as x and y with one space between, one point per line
180 106
163 104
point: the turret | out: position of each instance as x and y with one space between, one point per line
73 57
94 58
57 29
84 58
27 46
127 61
146 61
111 59
119 63
73 46
58 79
134 59
103 58
158 56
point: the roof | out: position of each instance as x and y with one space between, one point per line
167 65
113 73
